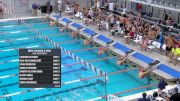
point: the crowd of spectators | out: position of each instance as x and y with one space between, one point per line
162 94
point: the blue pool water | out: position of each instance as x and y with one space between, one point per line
14 36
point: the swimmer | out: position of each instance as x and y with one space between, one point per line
87 41
74 33
44 19
64 28
143 73
52 23
121 61
102 49
19 22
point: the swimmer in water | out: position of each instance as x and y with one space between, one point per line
64 28
121 60
52 23
87 41
45 19
102 49
143 73
75 33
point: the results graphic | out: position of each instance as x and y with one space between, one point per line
39 68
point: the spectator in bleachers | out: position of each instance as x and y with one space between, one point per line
161 39
98 4
69 9
111 20
85 11
90 17
138 19
144 98
116 4
76 7
111 5
169 44
116 28
178 37
131 34
166 16
127 27
176 96
100 24
145 42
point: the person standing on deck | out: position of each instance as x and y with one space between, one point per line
1 7
48 7
60 6
34 9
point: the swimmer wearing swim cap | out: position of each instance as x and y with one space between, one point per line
143 73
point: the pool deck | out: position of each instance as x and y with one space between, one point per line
152 54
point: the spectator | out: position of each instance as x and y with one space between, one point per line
161 39
48 7
178 37
178 86
169 44
175 53
161 85
131 34
111 6
144 43
165 15
176 96
155 95
98 4
1 7
60 6
39 10
101 25
144 98
139 7
34 9
89 17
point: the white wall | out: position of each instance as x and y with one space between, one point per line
18 7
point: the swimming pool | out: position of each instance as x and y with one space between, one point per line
14 36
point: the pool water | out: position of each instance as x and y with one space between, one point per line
14 36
